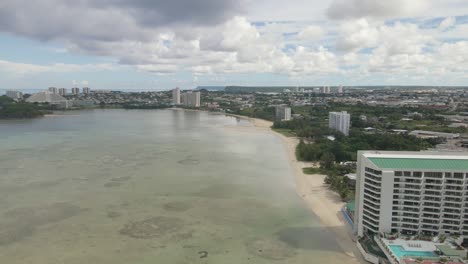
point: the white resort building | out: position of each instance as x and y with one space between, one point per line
409 202
412 193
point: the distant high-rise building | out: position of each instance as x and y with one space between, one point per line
340 90
191 99
283 113
339 121
176 96
75 90
86 90
325 89
16 95
62 91
53 90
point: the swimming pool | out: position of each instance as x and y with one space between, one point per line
400 252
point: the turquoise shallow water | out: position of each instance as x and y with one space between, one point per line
400 252
116 186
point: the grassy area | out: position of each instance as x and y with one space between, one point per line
285 132
311 170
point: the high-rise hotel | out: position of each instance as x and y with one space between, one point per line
411 192
339 121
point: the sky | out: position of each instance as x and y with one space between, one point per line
160 44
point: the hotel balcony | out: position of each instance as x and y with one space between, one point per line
431 210
370 188
453 193
454 182
430 222
450 216
429 204
450 228
451 211
433 181
371 215
371 199
452 199
432 216
430 227
432 199
454 188
373 183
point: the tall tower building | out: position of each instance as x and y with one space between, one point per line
176 96
191 99
53 90
283 113
75 90
339 121
86 90
62 91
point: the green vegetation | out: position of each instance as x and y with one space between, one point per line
267 113
345 148
335 178
285 132
9 109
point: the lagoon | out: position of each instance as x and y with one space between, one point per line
151 186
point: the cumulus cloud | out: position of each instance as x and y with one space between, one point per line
357 34
352 9
311 33
212 37
108 20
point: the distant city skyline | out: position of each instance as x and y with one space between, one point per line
146 45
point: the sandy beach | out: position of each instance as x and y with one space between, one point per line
325 203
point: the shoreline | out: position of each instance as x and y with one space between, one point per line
318 198
316 195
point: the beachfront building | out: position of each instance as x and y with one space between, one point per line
176 96
15 95
411 193
283 113
191 99
339 121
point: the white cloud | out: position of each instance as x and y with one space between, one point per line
352 9
357 34
311 33
447 23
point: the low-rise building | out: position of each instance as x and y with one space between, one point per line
50 98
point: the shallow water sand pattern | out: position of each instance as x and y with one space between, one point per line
20 223
145 187
152 227
270 248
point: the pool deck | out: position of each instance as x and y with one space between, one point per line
407 245
412 245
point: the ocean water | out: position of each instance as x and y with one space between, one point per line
162 186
